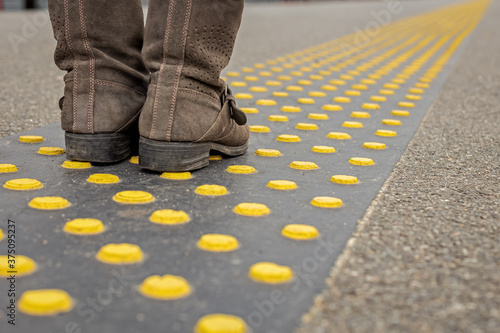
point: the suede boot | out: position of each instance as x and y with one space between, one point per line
189 110
99 45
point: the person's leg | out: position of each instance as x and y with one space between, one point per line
188 110
99 44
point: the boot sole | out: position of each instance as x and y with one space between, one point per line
181 156
98 148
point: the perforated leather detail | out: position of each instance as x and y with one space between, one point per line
62 53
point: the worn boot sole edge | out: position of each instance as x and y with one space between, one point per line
181 156
98 148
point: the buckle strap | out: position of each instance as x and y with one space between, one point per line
227 97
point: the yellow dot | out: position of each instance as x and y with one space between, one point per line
133 197
331 107
243 96
289 108
306 126
280 94
5 168
425 80
302 165
84 226
346 77
260 129
385 133
277 118
305 100
50 151
374 145
386 92
337 82
374 76
306 69
214 190
240 169
134 160
342 179
359 114
391 122
398 80
215 158
359 87
300 231
265 73
421 85
119 254
318 116
250 110
361 161
165 287
232 74
328 87
22 265
23 184
268 152
323 72
76 165
296 73
220 323
247 70
176 175
251 209
45 302
258 89
317 94
413 97
169 216
284 78
352 124
304 82
251 78
268 272
315 77
238 84
31 138
406 104
294 88
352 93
392 86
400 113
370 106
342 99
368 81
1 234
103 178
273 83
266 102
338 135
326 202
378 98
218 243
259 65
416 90
288 138
282 185
323 149
48 203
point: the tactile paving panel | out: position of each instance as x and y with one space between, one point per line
328 125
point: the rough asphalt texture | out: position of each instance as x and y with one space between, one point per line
426 256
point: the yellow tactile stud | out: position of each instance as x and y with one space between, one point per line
331 107
31 138
300 231
282 185
251 209
243 96
273 83
274 117
425 80
386 92
218 243
304 82
103 178
352 124
391 122
134 160
326 202
251 78
133 197
176 175
398 80
288 138
265 73
352 93
406 104
213 190
368 81
338 135
76 165
359 86
328 87
360 114
240 169
284 77
268 152
342 99
421 85
346 77
306 101
306 69
259 65
257 89
337 82
276 69
23 184
250 110
374 145
5 168
166 287
247 70
294 88
377 98
374 76
400 113
45 302
296 73
317 94
323 72
385 133
238 84
323 149
84 226
306 126
220 323
343 179
303 165
119 254
412 97
215 158
50 151
315 77
266 102
318 116
169 216
259 129
1 234
48 203
232 74
22 265
268 272
361 161
280 94
391 86
416 90
370 106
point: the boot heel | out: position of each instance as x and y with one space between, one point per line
98 148
172 156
